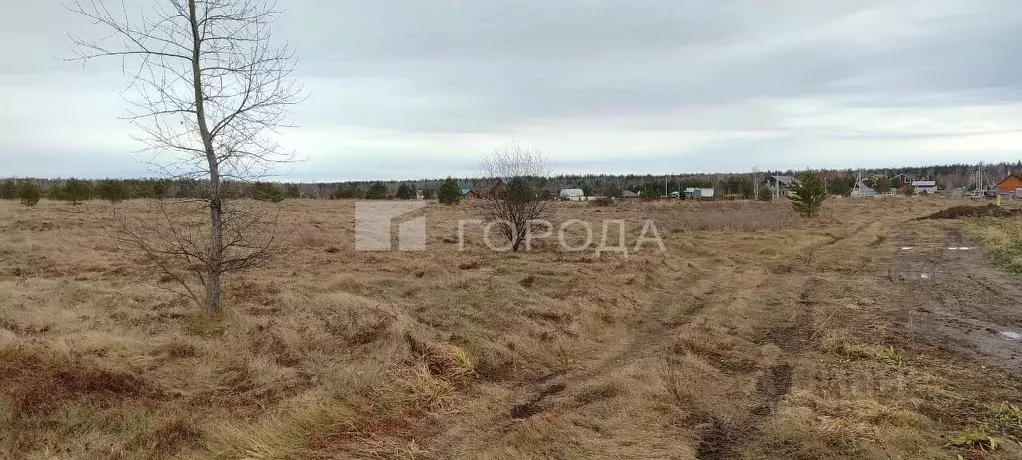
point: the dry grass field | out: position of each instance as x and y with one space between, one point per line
858 334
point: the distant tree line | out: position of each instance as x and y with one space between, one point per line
725 185
76 191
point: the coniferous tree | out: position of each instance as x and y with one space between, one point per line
113 191
449 192
808 195
377 191
159 189
76 191
347 193
265 191
405 192
29 192
9 190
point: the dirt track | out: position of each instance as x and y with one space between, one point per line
953 299
891 283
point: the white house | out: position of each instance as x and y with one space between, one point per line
572 194
693 192
924 187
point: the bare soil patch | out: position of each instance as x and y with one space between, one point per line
965 211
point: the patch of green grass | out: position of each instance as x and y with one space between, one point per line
890 356
1005 414
1002 241
976 439
1008 259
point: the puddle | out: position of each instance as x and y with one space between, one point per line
924 276
907 248
1006 335
963 248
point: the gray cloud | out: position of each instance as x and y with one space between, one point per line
698 84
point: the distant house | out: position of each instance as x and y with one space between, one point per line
924 187
862 190
1009 185
779 185
629 195
572 194
695 193
469 194
497 188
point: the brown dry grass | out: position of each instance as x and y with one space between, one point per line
754 336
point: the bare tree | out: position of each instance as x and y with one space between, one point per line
756 180
520 198
210 91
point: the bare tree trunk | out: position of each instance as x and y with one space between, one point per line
212 303
214 267
215 260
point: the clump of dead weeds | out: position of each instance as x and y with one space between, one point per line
35 379
167 436
176 348
358 324
600 392
201 324
444 360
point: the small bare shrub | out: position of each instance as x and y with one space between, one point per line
673 381
521 200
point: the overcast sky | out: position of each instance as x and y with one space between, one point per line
402 89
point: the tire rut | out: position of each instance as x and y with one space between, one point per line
725 440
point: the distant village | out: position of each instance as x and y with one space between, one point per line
777 186
982 180
974 181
